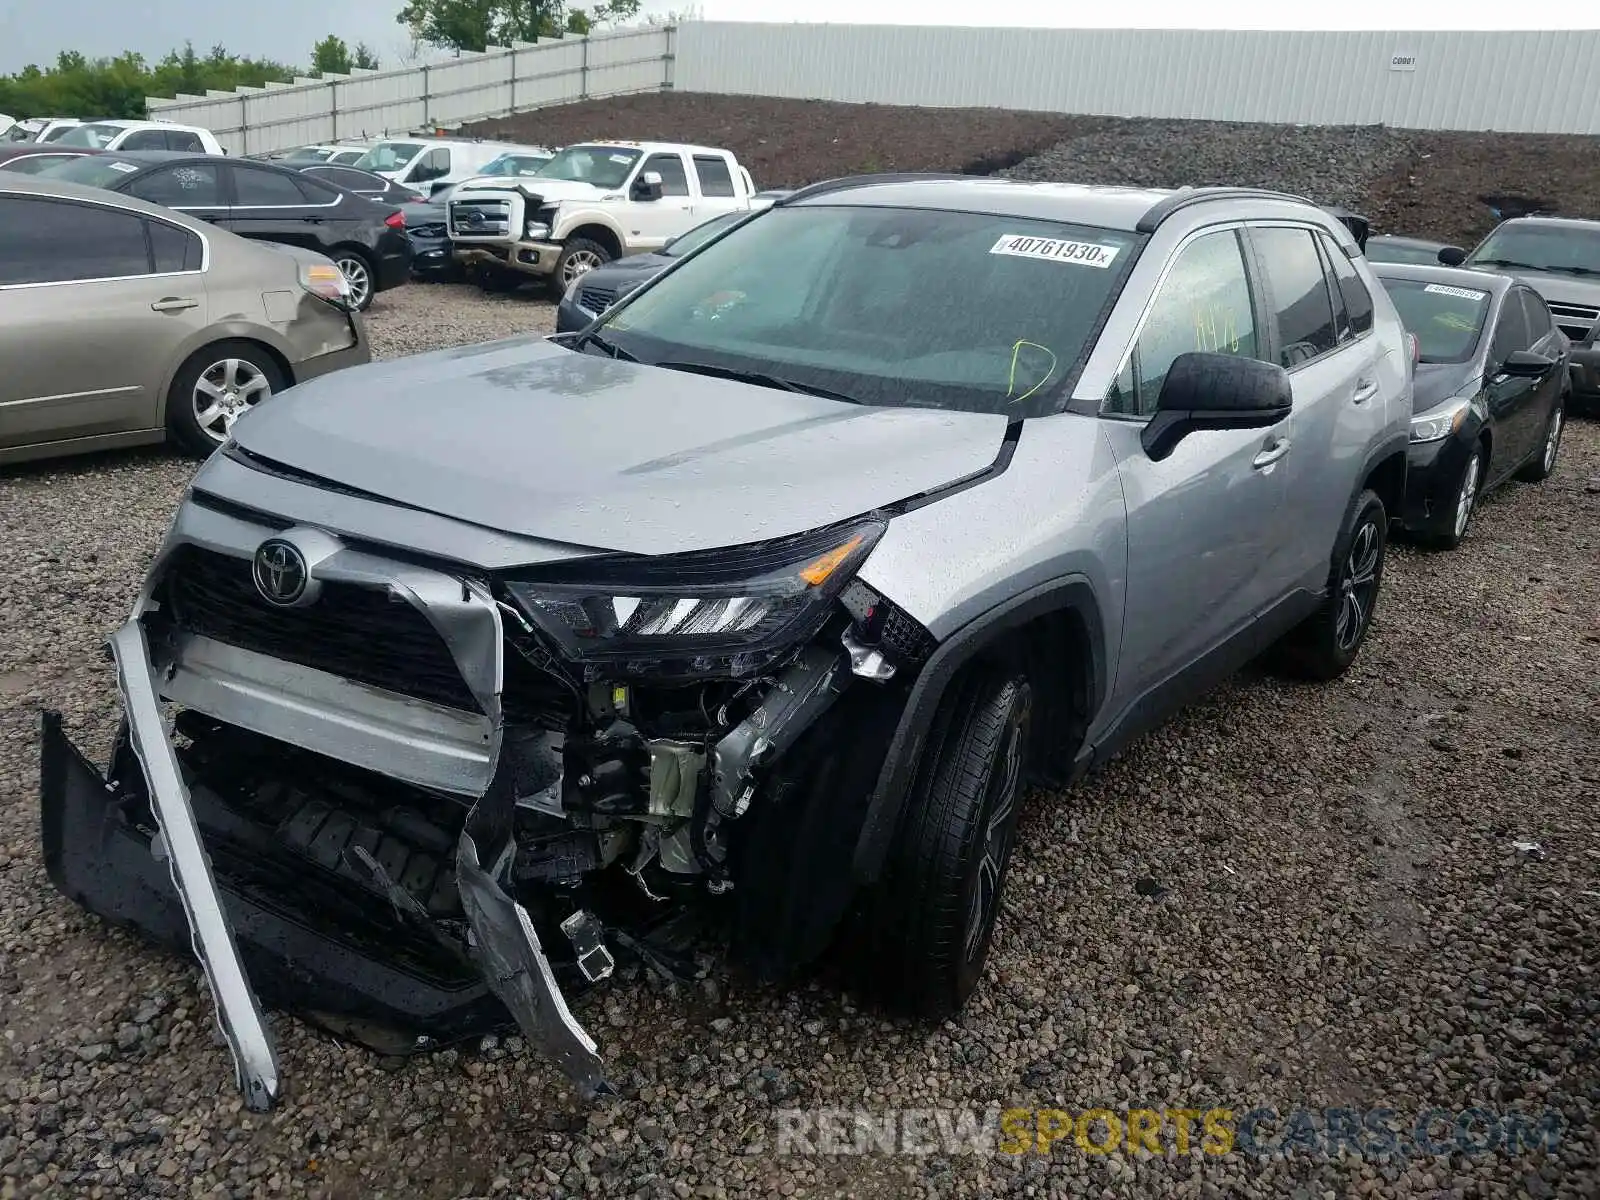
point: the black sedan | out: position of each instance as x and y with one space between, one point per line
258 200
363 183
1490 391
430 242
1397 248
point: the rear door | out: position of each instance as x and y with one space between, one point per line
271 206
1332 359
196 187
95 302
718 192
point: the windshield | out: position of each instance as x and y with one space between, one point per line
389 156
95 170
899 307
91 137
1566 250
516 164
308 154
1447 320
603 166
700 235
1380 250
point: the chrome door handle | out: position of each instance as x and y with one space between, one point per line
1366 390
174 304
1270 454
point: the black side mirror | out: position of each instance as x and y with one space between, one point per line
1452 256
1525 364
1215 391
647 186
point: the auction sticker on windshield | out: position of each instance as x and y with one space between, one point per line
1083 254
1460 293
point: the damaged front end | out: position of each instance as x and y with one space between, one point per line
415 801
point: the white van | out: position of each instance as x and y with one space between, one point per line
428 164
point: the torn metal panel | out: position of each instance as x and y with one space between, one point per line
802 693
239 1014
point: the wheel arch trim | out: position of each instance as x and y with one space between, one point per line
1070 593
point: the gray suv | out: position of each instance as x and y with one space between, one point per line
741 617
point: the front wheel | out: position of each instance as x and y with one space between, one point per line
1327 642
1539 469
578 257
1468 488
929 923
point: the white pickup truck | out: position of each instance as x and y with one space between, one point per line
592 203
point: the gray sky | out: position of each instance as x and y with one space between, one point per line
36 30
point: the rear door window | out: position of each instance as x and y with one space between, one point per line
182 139
715 178
1299 293
57 241
187 185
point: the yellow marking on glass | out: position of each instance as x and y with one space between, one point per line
1011 379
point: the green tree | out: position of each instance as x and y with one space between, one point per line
77 86
365 59
330 56
478 24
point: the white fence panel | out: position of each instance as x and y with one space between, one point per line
445 92
1512 81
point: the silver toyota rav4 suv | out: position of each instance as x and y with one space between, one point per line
740 617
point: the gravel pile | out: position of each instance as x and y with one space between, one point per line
1289 896
1328 164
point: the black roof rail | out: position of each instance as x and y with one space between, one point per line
1185 197
844 182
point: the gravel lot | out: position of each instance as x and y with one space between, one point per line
1290 897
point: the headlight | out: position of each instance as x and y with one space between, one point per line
1441 420
726 609
538 230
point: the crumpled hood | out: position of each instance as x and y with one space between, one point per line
524 436
1437 382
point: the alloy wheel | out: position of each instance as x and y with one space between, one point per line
1358 585
224 392
579 262
1552 440
1468 496
358 277
997 831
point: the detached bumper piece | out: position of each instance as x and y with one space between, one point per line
356 941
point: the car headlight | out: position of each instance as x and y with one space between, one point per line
719 610
538 230
1441 420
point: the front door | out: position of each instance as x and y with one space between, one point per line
1512 400
649 223
1206 525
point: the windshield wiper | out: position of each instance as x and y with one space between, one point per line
1503 262
760 379
1572 270
605 344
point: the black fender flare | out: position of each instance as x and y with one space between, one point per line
1394 447
884 807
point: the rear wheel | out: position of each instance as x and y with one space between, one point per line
358 274
214 388
1539 469
1327 642
930 921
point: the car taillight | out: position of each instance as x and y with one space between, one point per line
395 220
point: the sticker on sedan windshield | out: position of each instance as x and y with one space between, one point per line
125 168
1083 254
1444 289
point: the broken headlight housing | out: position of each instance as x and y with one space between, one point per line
717 610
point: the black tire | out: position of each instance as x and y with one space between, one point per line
1472 473
577 252
1321 648
183 420
927 926
1543 464
360 272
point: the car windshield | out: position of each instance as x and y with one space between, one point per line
389 156
603 166
1563 249
1446 319
95 170
90 137
700 235
1380 250
885 306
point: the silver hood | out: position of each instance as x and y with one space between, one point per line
527 437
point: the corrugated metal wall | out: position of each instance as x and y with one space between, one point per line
446 92
1518 81
1514 81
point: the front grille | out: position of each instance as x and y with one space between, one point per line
1574 320
596 300
480 218
355 632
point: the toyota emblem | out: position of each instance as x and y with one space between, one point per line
280 572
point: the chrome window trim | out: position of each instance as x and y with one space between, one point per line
205 242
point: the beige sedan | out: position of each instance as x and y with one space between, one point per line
122 322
